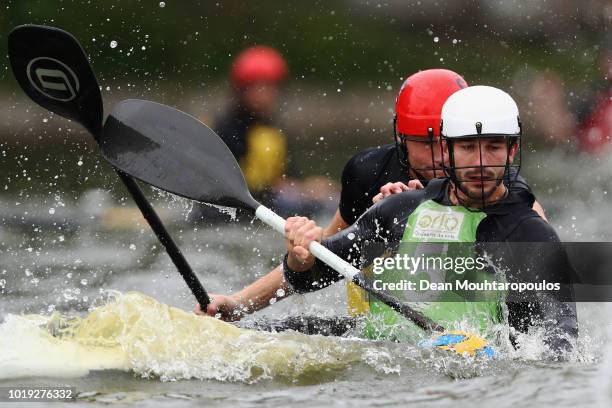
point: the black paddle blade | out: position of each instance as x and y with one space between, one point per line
54 71
173 151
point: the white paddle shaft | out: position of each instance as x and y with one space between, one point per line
334 261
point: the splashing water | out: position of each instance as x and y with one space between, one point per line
134 332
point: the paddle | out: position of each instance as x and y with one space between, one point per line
53 70
174 151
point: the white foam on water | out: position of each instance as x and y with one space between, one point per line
136 333
27 350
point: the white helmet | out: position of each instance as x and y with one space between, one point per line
480 110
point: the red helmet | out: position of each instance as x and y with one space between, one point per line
258 64
419 103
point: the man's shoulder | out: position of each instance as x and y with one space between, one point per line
401 204
375 152
362 177
367 165
375 157
533 228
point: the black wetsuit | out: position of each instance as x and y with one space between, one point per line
367 171
511 220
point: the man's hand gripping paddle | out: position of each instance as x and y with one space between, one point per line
175 152
53 70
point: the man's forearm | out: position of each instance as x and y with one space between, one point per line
261 293
336 225
273 286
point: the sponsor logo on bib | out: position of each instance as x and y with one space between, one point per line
432 224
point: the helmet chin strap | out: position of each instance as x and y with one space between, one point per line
402 150
400 147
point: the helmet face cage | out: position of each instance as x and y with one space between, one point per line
402 152
451 168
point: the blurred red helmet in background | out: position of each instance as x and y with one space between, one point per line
258 64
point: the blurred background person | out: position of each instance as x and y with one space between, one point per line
250 130
248 126
551 118
595 109
578 118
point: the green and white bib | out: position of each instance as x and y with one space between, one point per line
434 231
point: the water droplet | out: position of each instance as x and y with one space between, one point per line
80 162
132 247
280 293
113 44
51 210
351 236
162 4
436 39
68 295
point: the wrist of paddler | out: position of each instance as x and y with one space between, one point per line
242 305
297 264
226 307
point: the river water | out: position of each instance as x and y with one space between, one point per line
90 300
